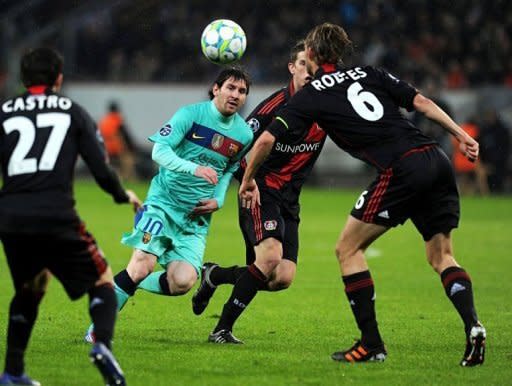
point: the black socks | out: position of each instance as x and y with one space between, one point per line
251 280
458 288
22 316
361 296
103 311
125 282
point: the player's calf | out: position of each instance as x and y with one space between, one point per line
102 309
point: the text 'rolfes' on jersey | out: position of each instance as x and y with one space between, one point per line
358 107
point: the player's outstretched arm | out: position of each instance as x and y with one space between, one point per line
259 152
248 191
93 153
468 146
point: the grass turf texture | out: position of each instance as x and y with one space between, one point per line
290 335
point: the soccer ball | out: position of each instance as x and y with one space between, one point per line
223 41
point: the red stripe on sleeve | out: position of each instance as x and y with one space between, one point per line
271 104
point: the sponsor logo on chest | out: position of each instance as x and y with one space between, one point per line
217 141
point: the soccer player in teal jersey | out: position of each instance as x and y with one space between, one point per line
197 151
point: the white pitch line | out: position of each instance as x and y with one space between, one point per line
373 253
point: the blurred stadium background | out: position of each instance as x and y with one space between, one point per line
146 56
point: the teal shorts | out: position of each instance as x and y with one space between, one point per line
156 233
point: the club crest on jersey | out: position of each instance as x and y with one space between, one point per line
233 149
146 238
270 225
254 124
166 130
217 141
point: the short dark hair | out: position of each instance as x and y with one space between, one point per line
294 52
329 43
113 107
237 73
40 66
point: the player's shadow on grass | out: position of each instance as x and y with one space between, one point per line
161 336
175 341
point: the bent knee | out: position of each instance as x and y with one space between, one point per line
440 262
343 251
180 284
141 265
281 283
268 257
271 260
283 276
180 288
139 273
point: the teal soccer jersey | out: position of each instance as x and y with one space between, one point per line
200 135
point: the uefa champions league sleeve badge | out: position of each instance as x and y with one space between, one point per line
166 130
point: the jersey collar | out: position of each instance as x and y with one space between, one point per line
291 90
37 89
220 116
325 68
328 67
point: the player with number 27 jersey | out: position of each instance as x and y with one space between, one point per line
42 133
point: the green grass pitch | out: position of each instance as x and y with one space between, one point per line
290 335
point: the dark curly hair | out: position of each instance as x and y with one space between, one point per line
294 52
40 66
237 73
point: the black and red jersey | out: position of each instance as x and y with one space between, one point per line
358 107
42 133
291 160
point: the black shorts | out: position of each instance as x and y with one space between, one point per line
272 219
421 186
73 257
